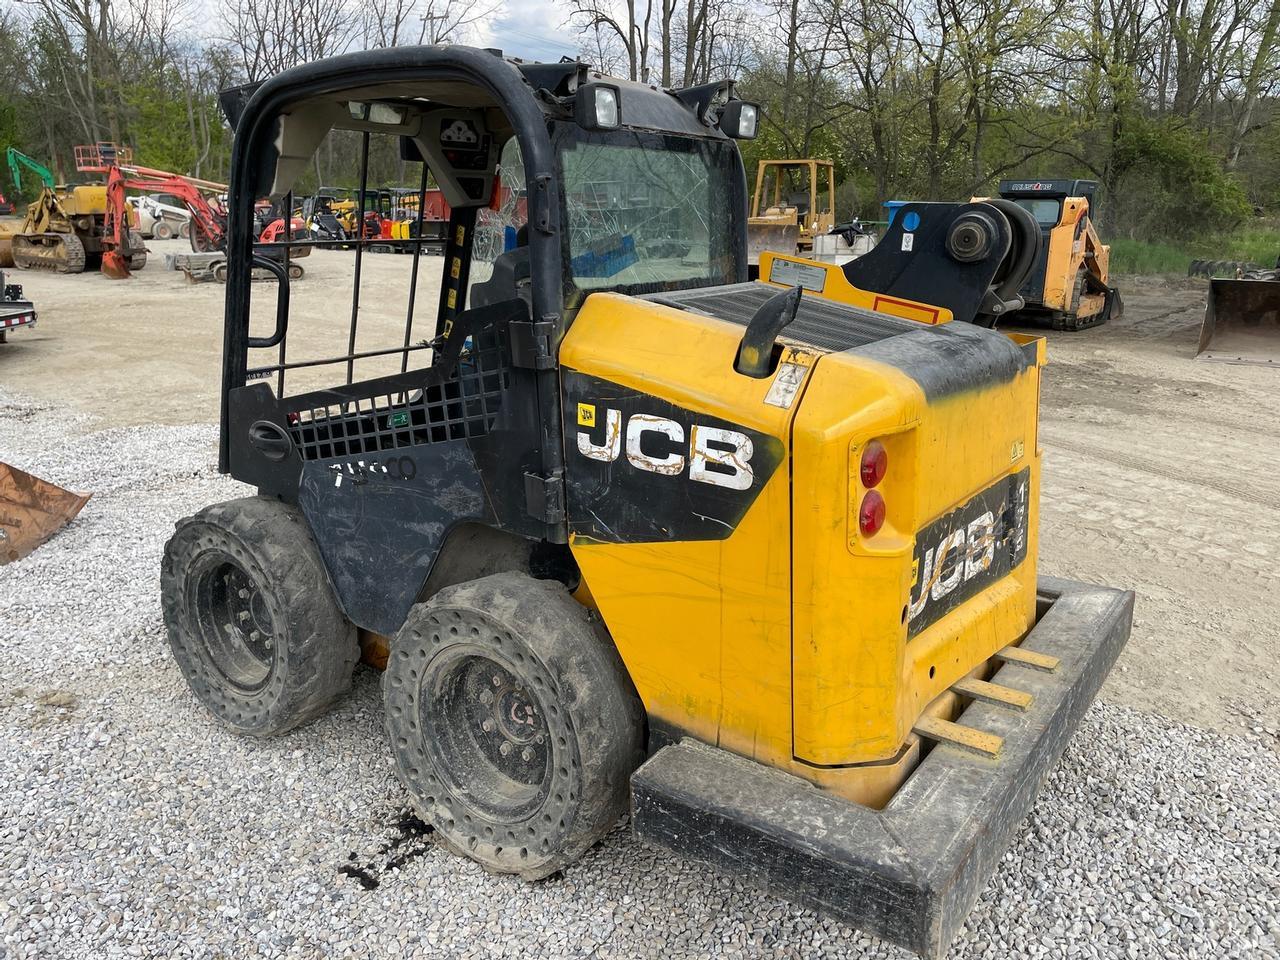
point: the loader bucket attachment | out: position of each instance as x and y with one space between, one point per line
771 238
1241 322
31 511
114 266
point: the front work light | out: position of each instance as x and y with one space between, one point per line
740 119
376 112
598 107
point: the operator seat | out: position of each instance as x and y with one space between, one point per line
510 278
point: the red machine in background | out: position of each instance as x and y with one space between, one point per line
208 220
200 197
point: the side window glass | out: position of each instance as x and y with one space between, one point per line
500 227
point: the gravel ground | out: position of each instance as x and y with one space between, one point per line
132 826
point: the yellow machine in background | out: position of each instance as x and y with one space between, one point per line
794 201
1070 283
63 231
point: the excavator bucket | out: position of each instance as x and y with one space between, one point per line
31 511
1241 322
114 266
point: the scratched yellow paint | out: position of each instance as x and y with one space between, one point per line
836 287
859 683
703 627
785 642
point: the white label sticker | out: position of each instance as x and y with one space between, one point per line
908 241
782 392
806 275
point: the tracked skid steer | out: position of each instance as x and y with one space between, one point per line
625 530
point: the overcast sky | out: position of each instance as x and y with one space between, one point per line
532 29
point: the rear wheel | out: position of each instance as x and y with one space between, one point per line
513 722
199 242
252 621
162 230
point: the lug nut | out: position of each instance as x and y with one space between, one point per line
497 680
505 749
526 754
487 726
243 594
486 697
242 616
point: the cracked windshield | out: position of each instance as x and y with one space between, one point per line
644 216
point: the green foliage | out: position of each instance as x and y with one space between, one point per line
8 135
161 133
1173 184
1258 243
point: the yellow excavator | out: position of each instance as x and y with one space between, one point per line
65 229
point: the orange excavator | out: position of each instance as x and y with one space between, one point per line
208 220
208 217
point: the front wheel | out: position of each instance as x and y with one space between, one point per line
514 724
252 622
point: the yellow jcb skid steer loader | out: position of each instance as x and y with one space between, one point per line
754 559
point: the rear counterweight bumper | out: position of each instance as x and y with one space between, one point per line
911 872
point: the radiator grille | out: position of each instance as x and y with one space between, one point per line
819 323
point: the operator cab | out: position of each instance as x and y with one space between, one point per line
557 183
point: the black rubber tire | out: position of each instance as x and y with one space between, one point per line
162 230
139 259
254 686
564 677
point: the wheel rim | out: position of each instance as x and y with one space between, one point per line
233 623
490 740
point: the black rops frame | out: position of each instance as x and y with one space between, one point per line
253 157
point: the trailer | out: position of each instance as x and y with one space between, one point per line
15 312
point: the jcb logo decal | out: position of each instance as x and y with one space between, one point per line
641 469
963 553
654 444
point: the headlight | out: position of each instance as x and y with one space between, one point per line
598 107
740 119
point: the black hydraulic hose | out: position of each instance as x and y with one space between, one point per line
1024 250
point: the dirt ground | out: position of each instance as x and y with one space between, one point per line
1162 473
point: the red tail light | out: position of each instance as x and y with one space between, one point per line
871 514
875 461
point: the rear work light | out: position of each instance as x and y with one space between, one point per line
871 513
875 461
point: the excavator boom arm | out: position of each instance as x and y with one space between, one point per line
17 160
